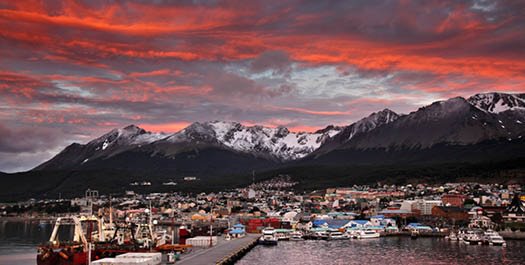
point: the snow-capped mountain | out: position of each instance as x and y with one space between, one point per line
112 143
456 121
278 143
374 120
498 102
127 136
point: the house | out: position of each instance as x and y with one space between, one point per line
237 231
358 224
481 222
381 220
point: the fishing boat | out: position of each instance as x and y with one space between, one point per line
268 237
78 251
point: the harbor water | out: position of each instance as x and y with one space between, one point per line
386 250
18 241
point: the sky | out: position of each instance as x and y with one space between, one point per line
72 70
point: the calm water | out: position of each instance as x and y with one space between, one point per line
391 250
18 241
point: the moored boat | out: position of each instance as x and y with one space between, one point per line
78 251
367 234
296 236
472 238
492 238
336 235
268 237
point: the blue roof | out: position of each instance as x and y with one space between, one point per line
237 231
318 222
238 226
378 216
414 224
387 211
361 222
336 223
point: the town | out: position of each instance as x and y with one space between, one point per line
182 221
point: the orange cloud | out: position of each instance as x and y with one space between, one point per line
165 127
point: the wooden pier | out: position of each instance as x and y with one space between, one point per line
224 253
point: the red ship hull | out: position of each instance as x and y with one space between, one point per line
62 258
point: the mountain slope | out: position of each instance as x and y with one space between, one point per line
271 143
275 144
498 102
363 126
109 144
454 130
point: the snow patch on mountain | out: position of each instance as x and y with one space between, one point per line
278 142
130 135
498 102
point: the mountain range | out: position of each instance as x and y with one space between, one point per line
480 129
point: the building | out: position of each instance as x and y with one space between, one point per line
451 213
424 207
453 200
515 212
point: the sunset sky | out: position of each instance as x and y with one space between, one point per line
70 72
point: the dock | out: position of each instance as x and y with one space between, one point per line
224 253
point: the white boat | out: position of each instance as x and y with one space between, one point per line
336 235
472 238
282 236
296 236
492 238
268 237
452 237
365 234
321 235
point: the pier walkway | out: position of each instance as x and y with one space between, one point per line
217 253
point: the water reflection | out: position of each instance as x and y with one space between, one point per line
401 250
18 240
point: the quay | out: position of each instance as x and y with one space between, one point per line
223 253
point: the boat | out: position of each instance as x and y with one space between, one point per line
452 237
282 234
321 235
268 237
492 238
78 251
414 234
296 236
366 234
336 235
472 238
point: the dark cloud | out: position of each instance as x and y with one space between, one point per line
70 71
20 140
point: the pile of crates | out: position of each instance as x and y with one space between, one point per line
202 241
